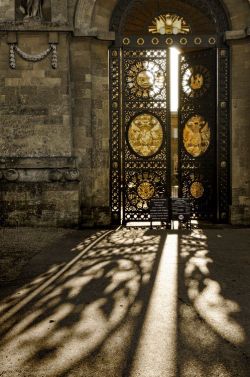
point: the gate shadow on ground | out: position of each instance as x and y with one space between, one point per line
86 322
213 304
28 253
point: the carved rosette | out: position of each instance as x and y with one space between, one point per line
11 175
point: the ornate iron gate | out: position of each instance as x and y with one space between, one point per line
141 108
146 125
140 127
197 132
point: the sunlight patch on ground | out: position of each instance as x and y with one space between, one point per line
156 352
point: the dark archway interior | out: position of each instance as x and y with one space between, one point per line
134 16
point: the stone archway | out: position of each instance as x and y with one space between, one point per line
92 17
88 14
138 50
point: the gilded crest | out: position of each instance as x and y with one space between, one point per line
196 136
146 190
197 190
197 81
169 24
145 135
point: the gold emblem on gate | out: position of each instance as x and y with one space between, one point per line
145 79
145 135
196 136
196 81
145 190
197 190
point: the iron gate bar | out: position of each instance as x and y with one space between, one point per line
164 41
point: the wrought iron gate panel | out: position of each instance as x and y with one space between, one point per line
197 132
223 158
115 133
146 130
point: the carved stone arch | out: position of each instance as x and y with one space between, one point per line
215 11
83 15
93 16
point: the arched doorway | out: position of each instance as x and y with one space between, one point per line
140 114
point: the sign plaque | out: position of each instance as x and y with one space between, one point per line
181 209
159 209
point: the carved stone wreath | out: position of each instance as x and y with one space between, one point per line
33 58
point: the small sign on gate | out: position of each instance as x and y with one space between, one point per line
159 209
181 209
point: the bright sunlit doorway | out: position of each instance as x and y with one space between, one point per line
174 108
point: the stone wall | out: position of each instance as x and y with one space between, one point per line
35 101
240 133
54 123
7 10
91 125
39 183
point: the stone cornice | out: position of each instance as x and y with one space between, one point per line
237 34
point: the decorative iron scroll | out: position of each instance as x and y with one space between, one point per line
33 57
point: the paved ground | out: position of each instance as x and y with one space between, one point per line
124 303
